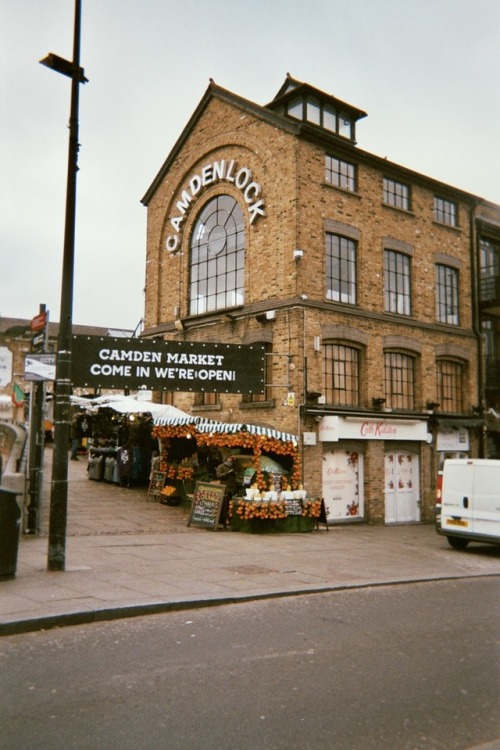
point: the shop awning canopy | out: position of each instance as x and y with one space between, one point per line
130 405
230 428
446 424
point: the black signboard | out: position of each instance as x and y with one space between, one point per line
207 505
322 516
293 507
108 362
157 482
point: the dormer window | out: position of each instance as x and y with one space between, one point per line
311 109
305 103
345 125
296 108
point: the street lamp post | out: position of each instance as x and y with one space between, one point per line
62 416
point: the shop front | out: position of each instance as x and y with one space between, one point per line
392 448
266 494
457 438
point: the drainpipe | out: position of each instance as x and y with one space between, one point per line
476 321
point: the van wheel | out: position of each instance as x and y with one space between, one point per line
457 542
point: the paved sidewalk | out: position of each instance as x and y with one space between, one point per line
128 555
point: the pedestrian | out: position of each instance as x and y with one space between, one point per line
76 436
226 475
125 461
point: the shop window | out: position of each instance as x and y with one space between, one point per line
449 376
399 379
340 173
341 269
343 484
446 295
397 274
396 194
341 374
217 257
445 211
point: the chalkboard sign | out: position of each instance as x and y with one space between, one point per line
157 482
207 505
293 507
322 516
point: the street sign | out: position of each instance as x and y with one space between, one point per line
38 341
39 321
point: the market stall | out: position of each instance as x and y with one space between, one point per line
118 440
268 495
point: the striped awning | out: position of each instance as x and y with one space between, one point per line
175 421
230 428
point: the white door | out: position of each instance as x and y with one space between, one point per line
401 488
343 485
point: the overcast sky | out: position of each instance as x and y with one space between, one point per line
426 71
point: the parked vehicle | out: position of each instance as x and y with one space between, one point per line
468 501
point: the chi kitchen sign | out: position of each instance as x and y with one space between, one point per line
333 429
217 171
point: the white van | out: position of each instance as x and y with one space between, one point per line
468 501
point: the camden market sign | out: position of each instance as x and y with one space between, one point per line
107 362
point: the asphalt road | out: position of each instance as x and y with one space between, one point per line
401 667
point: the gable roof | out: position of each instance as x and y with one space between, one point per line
217 92
290 88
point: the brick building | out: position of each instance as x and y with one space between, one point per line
268 224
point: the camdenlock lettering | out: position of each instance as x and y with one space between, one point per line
182 366
215 172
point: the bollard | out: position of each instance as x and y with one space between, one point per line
10 524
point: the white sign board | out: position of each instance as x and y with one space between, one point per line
38 367
455 440
5 366
333 429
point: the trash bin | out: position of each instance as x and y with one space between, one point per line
10 524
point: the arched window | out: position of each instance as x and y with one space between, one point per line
341 374
399 376
217 257
449 376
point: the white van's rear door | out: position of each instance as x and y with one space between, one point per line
486 507
458 486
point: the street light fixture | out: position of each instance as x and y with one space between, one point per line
62 414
